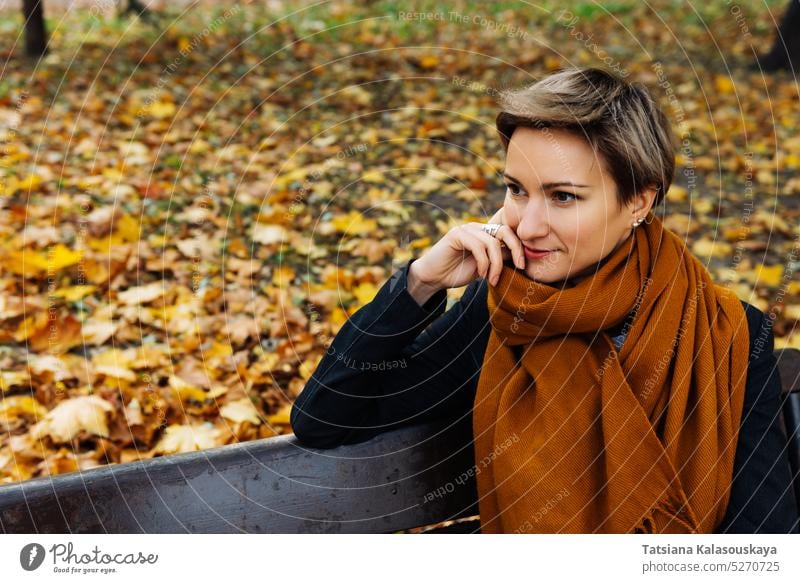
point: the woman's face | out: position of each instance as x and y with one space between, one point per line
560 198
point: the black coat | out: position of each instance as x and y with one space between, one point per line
397 363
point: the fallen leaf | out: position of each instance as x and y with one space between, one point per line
354 223
70 417
13 407
186 438
268 234
142 294
241 410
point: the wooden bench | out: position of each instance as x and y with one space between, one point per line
410 477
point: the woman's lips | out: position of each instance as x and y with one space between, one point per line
535 253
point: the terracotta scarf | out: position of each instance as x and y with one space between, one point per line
577 438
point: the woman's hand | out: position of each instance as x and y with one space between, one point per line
464 253
498 218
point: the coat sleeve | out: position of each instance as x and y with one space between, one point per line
762 499
395 363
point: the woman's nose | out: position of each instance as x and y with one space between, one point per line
534 222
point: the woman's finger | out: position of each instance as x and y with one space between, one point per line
495 255
478 249
498 217
506 235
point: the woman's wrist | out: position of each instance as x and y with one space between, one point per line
417 287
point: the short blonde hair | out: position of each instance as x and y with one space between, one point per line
620 120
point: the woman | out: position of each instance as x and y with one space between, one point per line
631 389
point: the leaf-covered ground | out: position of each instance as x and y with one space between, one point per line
190 209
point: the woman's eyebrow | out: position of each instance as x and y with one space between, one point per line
511 178
548 185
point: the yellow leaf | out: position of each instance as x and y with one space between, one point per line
764 176
787 342
112 357
105 244
128 228
338 317
422 243
458 127
735 233
218 350
30 325
186 438
354 223
185 390
13 407
30 182
268 234
282 276
241 410
117 372
8 187
792 312
769 276
709 248
309 366
357 94
68 418
365 293
375 176
676 193
552 63
428 183
74 293
61 256
281 417
30 263
112 174
160 110
724 84
429 62
792 160
142 294
199 147
10 378
702 206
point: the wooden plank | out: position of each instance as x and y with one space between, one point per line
271 486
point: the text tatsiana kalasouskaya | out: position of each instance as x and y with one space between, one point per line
709 550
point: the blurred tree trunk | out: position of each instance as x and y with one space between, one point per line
785 52
136 8
35 32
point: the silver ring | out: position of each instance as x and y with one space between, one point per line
491 228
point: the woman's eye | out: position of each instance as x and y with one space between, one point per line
513 189
560 194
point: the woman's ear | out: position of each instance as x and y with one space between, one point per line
643 202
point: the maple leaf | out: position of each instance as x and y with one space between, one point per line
240 411
70 417
354 223
186 438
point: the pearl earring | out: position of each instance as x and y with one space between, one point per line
637 222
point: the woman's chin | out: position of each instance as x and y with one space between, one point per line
549 275
543 273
